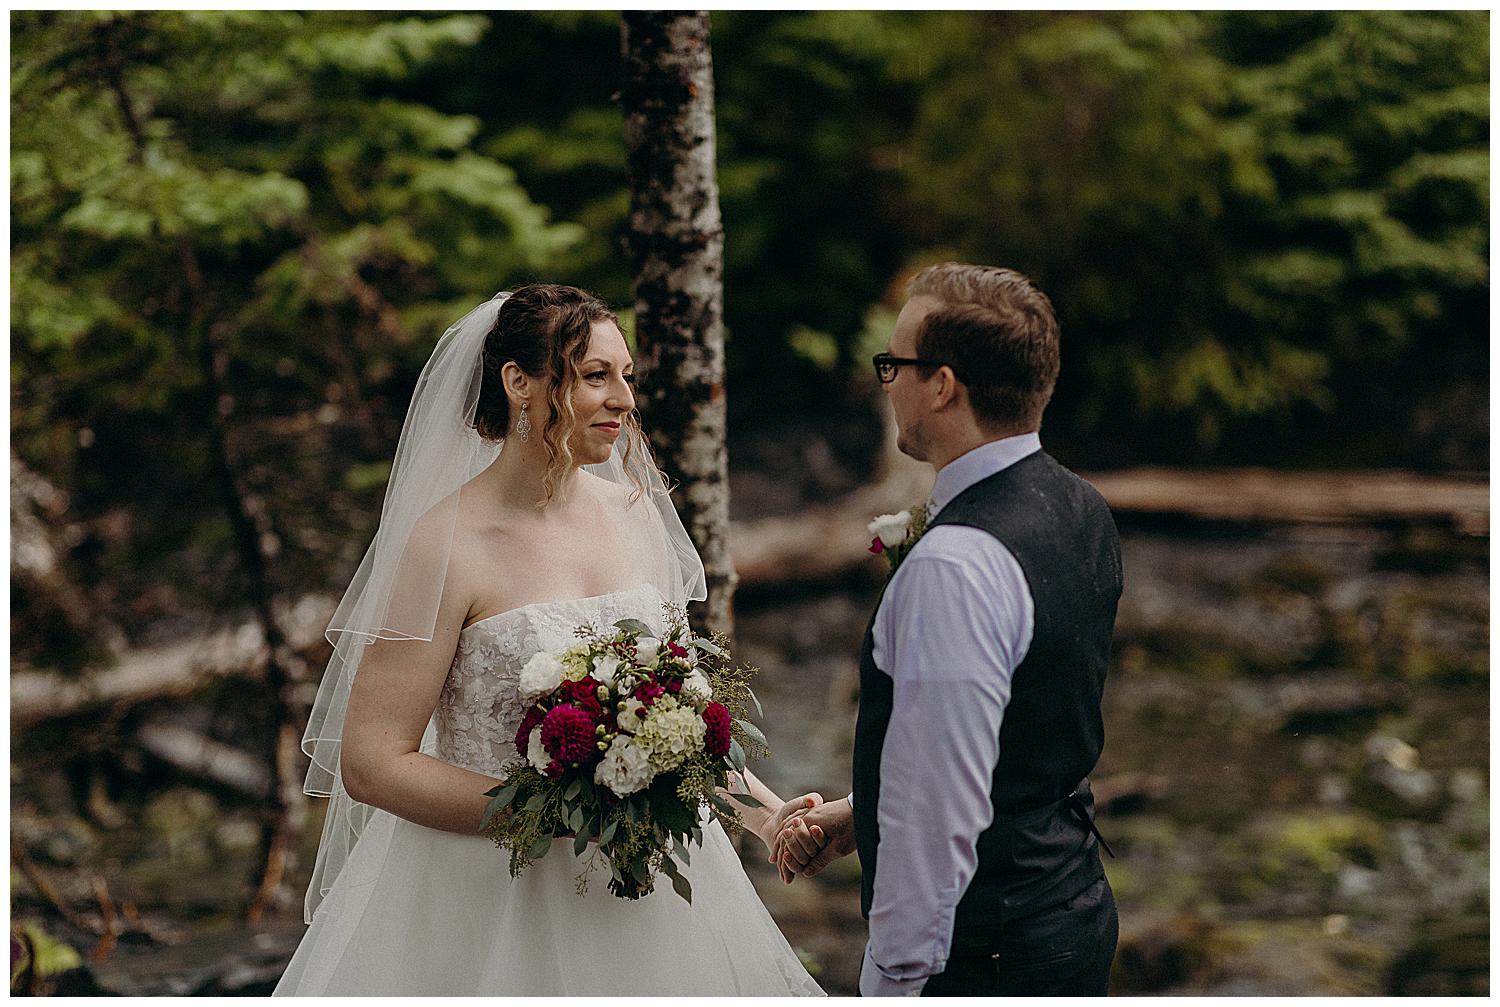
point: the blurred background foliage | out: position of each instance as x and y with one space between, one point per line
1266 236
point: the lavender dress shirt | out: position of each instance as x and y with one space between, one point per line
955 621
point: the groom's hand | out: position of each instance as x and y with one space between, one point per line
812 840
774 823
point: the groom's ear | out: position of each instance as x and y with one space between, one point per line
948 390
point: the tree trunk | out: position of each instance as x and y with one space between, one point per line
676 245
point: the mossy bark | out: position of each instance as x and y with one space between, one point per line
676 245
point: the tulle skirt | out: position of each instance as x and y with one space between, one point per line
418 912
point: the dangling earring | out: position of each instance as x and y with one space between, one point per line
523 426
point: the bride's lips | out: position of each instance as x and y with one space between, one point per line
613 429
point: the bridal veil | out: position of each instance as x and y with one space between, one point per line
395 592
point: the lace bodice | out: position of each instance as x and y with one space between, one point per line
480 708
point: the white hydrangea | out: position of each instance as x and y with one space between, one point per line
670 734
631 717
542 674
625 768
575 662
536 754
695 688
605 668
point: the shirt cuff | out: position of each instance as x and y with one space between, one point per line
873 982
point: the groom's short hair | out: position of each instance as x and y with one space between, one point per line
998 333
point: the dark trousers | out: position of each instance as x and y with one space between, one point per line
1064 950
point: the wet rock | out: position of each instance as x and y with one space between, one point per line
1127 793
1466 785
1393 784
1333 703
235 963
1356 883
1449 957
1333 789
1163 954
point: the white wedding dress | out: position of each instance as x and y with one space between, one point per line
416 911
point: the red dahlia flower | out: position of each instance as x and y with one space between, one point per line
716 738
584 695
568 734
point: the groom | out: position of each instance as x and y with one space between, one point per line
981 674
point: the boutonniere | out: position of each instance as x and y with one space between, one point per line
895 534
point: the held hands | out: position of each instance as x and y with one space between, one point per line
773 824
813 837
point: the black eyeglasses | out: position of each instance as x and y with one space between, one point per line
885 365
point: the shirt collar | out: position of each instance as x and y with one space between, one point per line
981 463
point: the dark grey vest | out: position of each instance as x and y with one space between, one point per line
1041 847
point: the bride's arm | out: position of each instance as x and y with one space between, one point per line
390 704
766 821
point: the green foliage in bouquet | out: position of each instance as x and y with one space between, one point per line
627 739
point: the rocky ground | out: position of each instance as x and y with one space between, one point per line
1296 781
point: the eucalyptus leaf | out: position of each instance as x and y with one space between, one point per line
758 711
572 789
679 848
679 883
540 847
536 802
503 793
753 732
580 844
747 800
707 646
490 811
575 820
609 831
634 626
737 755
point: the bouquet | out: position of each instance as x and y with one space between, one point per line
628 737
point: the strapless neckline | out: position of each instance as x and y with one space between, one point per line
532 606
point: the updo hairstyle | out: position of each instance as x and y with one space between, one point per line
544 328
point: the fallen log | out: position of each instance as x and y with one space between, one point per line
175 669
1272 496
829 541
823 543
198 756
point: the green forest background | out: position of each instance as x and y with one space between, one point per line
1266 234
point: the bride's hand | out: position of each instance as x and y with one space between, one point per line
815 838
771 827
774 823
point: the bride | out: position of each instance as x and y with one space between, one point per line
522 503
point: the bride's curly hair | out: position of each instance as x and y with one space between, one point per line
544 328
